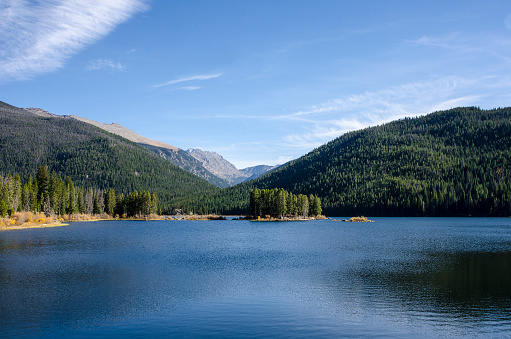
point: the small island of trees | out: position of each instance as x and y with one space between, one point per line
278 203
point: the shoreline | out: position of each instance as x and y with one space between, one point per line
39 221
65 221
28 226
318 217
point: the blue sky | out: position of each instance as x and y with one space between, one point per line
259 82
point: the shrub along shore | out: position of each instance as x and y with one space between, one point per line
21 220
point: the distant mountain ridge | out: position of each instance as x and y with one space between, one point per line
175 155
90 156
447 163
126 133
206 165
222 168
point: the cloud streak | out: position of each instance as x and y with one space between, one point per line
397 101
99 64
199 77
184 88
331 119
498 46
39 36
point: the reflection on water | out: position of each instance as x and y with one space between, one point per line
396 277
466 284
471 283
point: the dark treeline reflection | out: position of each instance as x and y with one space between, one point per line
462 284
475 279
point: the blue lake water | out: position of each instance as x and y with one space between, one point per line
396 277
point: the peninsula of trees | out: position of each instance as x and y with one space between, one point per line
49 194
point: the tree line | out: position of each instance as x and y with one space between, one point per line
91 157
50 194
278 203
447 163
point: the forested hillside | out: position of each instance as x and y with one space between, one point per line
449 163
175 155
90 156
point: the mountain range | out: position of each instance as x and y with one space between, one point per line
206 165
447 163
223 169
90 156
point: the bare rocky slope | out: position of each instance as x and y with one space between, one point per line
90 156
126 133
175 155
207 165
223 169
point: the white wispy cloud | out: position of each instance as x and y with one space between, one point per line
398 101
489 44
450 41
185 88
199 77
100 64
324 122
39 36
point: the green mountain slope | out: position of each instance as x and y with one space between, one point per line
455 162
90 156
175 155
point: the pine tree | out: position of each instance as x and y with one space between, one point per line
3 208
71 200
43 181
110 201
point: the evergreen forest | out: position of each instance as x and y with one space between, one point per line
279 203
50 194
448 163
90 156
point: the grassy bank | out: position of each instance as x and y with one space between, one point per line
21 220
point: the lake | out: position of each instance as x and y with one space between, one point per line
396 277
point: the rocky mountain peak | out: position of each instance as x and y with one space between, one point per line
222 168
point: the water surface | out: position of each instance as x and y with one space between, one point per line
397 277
